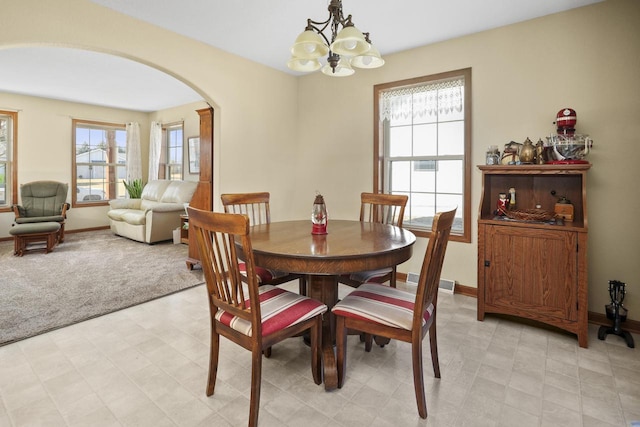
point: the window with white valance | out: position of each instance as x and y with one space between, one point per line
422 138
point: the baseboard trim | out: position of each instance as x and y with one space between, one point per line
466 290
82 230
632 326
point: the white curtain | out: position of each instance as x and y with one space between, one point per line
134 159
155 146
418 102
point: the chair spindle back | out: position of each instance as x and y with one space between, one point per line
216 237
383 208
254 205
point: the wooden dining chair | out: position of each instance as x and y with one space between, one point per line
385 209
396 314
254 317
256 207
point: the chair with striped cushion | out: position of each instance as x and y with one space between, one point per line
396 314
256 207
254 317
385 209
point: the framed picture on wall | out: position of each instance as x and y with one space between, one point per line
194 154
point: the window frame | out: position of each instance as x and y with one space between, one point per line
166 135
74 165
11 168
379 144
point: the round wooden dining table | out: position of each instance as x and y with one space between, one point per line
349 246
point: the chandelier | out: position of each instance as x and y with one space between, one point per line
347 47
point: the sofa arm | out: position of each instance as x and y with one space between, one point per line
124 204
19 211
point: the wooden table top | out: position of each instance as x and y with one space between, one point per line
349 246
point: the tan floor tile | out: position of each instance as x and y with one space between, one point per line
147 366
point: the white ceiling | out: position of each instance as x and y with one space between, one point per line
256 29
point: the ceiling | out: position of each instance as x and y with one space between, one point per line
260 30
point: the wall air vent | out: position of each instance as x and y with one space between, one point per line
446 285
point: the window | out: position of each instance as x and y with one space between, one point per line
175 149
99 162
423 139
8 159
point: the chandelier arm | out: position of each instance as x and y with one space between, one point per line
311 27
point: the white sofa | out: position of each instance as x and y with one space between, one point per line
154 216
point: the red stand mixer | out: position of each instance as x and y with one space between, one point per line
567 147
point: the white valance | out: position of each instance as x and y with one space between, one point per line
442 97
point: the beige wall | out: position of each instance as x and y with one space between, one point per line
45 144
587 59
292 136
255 105
187 114
45 147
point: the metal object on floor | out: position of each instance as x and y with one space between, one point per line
616 312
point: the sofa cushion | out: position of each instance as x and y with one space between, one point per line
125 203
130 216
179 192
155 189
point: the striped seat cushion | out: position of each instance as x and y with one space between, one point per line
264 275
279 309
381 304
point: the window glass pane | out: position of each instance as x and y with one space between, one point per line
451 138
422 179
100 159
3 184
90 182
422 208
400 141
425 140
450 176
7 157
174 152
446 202
175 172
4 139
400 176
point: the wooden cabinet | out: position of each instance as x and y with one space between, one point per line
534 270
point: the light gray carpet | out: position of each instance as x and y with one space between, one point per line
90 274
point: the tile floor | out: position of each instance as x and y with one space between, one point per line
146 366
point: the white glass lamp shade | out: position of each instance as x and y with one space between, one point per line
350 42
370 59
303 65
343 69
309 45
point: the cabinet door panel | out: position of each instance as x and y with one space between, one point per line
533 270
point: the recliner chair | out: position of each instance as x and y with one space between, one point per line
43 201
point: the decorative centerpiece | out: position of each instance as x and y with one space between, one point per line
319 216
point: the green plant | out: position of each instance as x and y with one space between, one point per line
134 188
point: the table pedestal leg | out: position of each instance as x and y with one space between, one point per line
325 289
